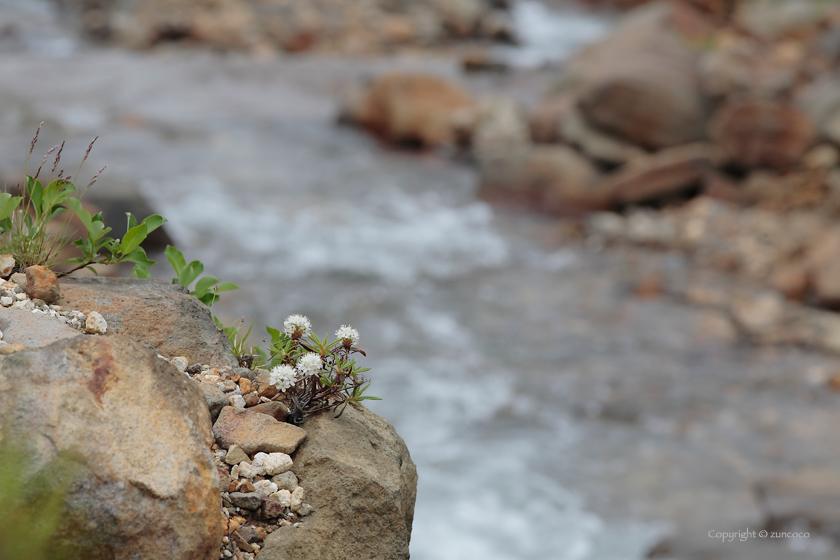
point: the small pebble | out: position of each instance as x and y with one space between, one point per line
21 297
6 301
236 401
297 499
180 363
265 487
284 497
249 471
277 463
95 323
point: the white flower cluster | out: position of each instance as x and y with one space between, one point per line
283 377
348 335
309 364
297 326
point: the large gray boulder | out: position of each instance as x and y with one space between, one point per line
360 479
160 315
139 431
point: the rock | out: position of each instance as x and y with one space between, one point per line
7 265
823 156
362 483
33 330
595 144
773 19
235 455
296 499
286 481
821 101
763 133
159 315
662 175
245 486
284 497
95 323
272 508
251 399
275 409
18 278
180 363
277 463
823 260
244 372
741 66
812 494
267 390
256 432
236 401
216 399
245 385
265 487
247 470
641 83
42 283
410 108
139 432
245 500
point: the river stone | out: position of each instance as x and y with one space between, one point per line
33 330
157 314
140 434
362 484
255 432
42 283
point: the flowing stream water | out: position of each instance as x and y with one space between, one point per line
496 348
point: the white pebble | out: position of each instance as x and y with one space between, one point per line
6 301
297 499
236 401
234 472
265 487
21 297
95 323
284 497
248 471
259 459
277 463
180 363
305 509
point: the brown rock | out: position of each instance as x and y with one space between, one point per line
271 508
42 283
159 315
255 432
823 260
413 108
275 409
763 133
7 265
664 174
267 390
364 502
251 399
245 385
791 280
640 83
140 435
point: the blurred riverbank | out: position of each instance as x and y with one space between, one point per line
553 411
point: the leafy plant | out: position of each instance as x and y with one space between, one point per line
207 288
34 225
247 356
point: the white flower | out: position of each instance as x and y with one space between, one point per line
297 326
283 377
348 334
309 364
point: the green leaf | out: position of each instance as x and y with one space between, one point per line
226 287
133 238
190 272
153 222
8 203
275 334
131 221
204 285
176 259
82 214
